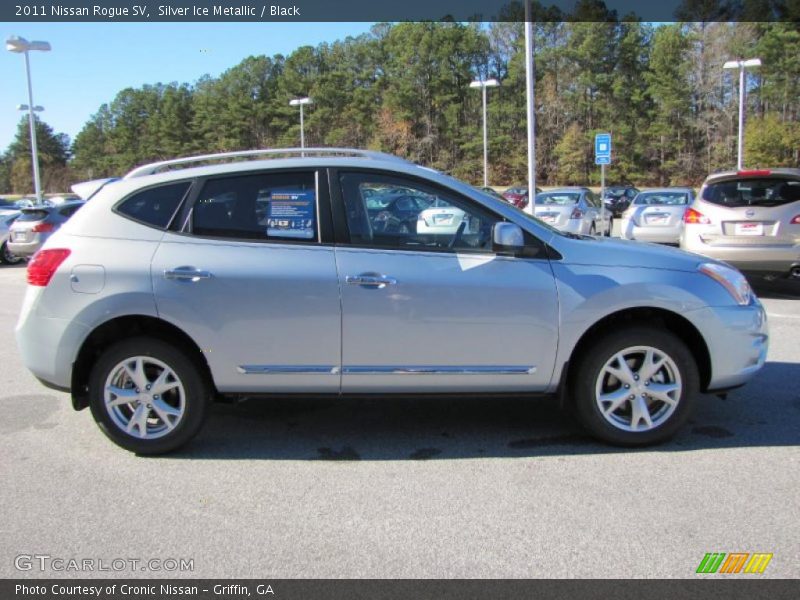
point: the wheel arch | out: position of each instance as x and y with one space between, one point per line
648 316
111 331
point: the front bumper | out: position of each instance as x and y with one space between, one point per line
738 341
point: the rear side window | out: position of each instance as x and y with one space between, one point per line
69 210
33 215
155 206
265 206
753 192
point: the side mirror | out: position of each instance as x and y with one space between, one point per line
507 238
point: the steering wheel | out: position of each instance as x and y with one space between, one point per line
457 237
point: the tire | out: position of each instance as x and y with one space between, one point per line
610 227
592 229
7 258
627 425
157 423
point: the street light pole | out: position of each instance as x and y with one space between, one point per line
483 85
530 77
301 102
23 46
741 65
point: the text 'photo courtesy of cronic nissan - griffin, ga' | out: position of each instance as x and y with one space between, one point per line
348 272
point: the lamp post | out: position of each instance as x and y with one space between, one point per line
483 85
741 65
22 46
301 102
530 78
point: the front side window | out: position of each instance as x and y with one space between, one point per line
385 211
273 206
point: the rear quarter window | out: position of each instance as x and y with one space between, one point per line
753 192
154 206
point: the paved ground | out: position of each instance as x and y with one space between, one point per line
406 489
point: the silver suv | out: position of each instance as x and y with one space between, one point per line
750 219
179 284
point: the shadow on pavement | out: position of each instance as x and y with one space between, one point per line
779 289
764 413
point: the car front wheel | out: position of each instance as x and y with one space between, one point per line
147 396
635 387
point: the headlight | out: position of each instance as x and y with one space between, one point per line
731 279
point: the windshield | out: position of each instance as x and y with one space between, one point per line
662 198
765 191
558 198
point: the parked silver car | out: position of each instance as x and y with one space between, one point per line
175 286
32 228
750 219
573 210
656 215
6 256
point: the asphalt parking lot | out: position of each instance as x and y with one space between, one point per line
398 488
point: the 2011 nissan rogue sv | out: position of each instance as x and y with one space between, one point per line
192 279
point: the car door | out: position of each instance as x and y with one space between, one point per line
247 277
435 309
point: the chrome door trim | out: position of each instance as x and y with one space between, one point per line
287 369
438 370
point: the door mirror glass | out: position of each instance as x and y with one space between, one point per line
507 237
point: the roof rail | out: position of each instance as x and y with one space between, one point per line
152 168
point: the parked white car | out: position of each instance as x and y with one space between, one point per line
6 256
573 210
656 215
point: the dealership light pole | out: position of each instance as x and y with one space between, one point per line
301 102
530 76
483 85
741 65
22 46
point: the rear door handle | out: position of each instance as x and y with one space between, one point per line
186 274
371 280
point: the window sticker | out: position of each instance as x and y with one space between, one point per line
291 214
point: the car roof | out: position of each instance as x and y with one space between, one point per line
750 173
667 189
573 188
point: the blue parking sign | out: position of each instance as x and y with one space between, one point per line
602 145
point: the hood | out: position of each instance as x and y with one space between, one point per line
608 252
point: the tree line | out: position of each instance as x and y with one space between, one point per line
404 88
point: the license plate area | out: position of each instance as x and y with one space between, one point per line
748 228
656 219
18 236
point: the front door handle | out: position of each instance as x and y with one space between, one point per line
186 274
370 280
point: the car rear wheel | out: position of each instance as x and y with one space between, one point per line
148 396
635 387
6 257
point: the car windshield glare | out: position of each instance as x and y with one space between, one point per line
558 199
753 192
662 198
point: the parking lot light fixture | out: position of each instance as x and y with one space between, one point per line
22 46
741 65
301 102
483 85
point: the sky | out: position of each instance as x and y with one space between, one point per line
91 62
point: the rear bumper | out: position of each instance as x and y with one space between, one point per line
738 341
25 248
659 235
48 346
751 257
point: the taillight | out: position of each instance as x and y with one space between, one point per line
577 213
795 220
44 264
43 228
693 216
